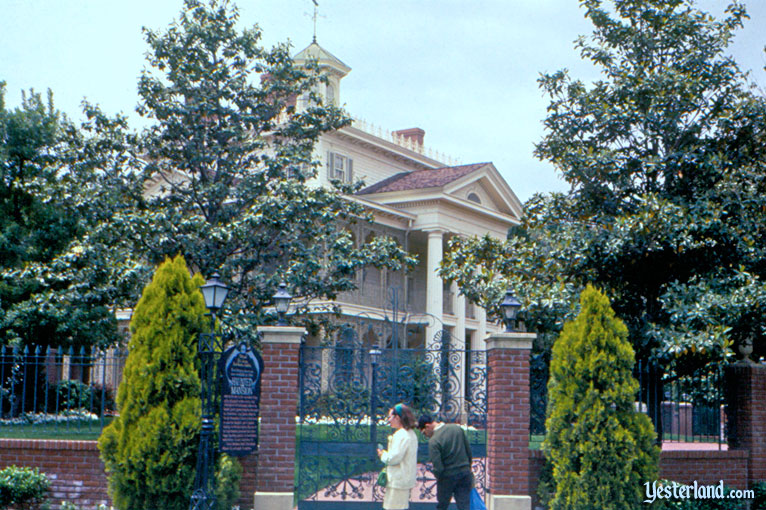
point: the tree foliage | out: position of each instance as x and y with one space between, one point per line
228 164
666 158
222 175
150 449
600 448
59 183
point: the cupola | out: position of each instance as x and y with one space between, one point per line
329 64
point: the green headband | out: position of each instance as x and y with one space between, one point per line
398 410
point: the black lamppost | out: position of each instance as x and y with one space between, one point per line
374 359
510 307
282 303
210 346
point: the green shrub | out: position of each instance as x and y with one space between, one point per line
601 450
150 449
759 503
346 400
22 488
423 385
71 395
227 482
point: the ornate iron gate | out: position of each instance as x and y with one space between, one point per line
345 394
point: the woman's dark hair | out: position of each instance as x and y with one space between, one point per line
406 416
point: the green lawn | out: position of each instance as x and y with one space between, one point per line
82 430
90 430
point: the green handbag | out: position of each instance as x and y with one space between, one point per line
382 478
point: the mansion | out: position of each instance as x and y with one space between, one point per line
421 202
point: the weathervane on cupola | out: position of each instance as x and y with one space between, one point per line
329 64
316 15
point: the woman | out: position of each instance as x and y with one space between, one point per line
400 458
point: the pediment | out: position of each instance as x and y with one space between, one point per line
486 188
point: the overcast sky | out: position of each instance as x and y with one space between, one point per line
464 71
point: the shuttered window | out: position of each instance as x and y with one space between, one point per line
340 167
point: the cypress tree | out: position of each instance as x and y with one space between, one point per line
601 449
150 449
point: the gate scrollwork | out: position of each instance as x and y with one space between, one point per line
344 398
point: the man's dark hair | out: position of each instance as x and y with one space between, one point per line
423 421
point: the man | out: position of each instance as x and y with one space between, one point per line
450 454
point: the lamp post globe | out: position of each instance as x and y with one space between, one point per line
214 291
375 356
510 307
282 300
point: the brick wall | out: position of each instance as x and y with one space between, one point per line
247 484
704 466
746 391
77 473
73 467
508 419
279 400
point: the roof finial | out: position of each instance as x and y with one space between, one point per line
316 14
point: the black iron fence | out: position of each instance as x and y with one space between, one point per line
538 393
44 390
683 408
345 395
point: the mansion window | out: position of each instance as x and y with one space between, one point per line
340 167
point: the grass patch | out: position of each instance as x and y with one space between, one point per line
71 431
689 438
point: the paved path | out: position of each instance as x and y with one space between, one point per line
688 447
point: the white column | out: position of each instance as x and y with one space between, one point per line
458 302
481 330
458 306
434 289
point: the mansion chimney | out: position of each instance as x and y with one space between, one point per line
415 135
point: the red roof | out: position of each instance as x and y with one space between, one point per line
421 179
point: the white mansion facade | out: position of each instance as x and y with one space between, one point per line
421 201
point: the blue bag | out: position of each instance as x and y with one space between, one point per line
476 502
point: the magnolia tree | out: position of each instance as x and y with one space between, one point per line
228 157
666 158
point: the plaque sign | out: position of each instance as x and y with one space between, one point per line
240 368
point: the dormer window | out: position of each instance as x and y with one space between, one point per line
473 197
340 167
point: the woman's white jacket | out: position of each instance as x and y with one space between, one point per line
401 459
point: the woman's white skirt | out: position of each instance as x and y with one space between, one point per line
396 499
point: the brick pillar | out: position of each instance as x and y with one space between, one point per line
508 421
280 348
746 403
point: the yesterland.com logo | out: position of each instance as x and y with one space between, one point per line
673 490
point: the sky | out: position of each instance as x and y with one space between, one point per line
464 71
